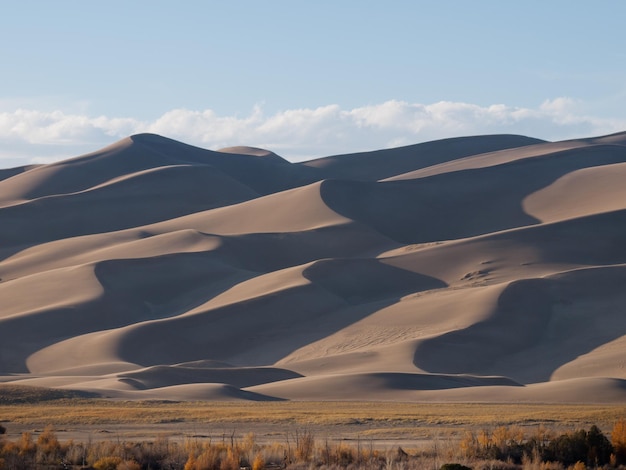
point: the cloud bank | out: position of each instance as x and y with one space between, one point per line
31 136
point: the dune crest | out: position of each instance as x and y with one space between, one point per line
484 268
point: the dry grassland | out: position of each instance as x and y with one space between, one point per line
93 411
29 408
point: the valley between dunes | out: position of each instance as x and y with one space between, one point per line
476 269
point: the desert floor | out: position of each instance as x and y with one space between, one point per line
381 425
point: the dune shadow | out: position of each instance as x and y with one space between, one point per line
592 240
459 204
406 381
242 377
155 196
152 288
264 329
134 290
6 173
381 164
538 326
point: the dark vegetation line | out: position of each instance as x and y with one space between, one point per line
503 448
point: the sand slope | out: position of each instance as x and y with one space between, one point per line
487 268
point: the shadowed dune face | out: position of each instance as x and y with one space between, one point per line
478 268
139 199
366 166
479 200
538 325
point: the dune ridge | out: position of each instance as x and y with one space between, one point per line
482 268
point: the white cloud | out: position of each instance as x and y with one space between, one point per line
28 136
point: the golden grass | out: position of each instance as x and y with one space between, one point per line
38 406
379 414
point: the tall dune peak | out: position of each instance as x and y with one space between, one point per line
150 138
246 150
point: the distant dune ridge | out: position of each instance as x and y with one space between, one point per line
487 268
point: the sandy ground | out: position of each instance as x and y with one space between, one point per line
486 268
237 432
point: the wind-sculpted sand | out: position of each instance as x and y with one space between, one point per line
480 269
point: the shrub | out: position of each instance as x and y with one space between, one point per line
618 439
454 466
305 443
592 448
48 446
569 448
107 463
599 448
258 463
26 447
75 453
191 463
230 461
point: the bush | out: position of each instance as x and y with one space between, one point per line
599 448
107 463
454 466
258 463
590 447
48 447
618 439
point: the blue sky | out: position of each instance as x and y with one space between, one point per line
305 79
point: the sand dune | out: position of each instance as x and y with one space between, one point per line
375 385
444 389
6 173
582 192
380 164
479 200
139 199
486 268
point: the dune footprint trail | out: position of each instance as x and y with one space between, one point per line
486 268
